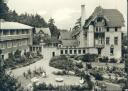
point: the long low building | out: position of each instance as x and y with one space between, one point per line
13 36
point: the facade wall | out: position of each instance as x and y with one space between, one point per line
49 52
90 36
11 40
9 50
117 51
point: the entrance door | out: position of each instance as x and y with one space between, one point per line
99 51
53 54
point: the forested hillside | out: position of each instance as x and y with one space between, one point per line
29 19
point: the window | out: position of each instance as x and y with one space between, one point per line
70 51
2 56
96 29
5 32
79 51
107 40
17 31
12 32
34 49
99 29
0 32
30 48
61 52
9 44
2 45
74 51
111 51
66 51
83 51
23 31
116 40
40 49
107 29
116 29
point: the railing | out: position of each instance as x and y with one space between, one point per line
13 37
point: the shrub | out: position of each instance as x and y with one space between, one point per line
88 66
87 57
113 60
104 59
60 73
62 62
44 87
79 65
97 76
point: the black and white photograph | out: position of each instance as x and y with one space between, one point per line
63 45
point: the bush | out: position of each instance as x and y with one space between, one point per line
62 62
113 60
72 56
87 57
79 65
44 87
97 76
88 66
60 73
104 59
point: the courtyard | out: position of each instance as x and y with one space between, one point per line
50 79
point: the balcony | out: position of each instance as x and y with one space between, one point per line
14 37
99 43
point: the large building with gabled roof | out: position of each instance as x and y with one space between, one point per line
101 33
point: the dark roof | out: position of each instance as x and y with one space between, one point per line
113 17
65 35
52 40
70 43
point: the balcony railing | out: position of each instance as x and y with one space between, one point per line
13 37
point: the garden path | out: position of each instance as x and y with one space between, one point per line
44 63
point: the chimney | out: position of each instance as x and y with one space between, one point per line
83 17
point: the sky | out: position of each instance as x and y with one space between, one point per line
65 12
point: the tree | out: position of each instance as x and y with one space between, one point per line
7 83
3 9
53 29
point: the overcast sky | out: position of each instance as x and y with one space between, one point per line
65 12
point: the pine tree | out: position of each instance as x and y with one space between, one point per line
3 10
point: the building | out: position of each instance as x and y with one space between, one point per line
99 34
13 36
43 31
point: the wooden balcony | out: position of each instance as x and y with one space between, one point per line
13 37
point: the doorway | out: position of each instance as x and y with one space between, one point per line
99 51
53 54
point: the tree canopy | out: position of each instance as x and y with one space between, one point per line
28 19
